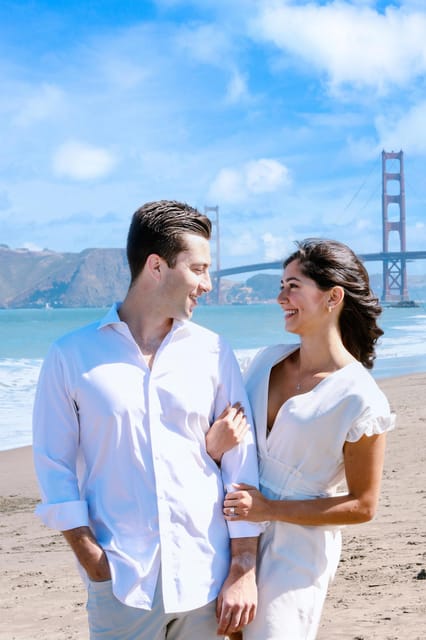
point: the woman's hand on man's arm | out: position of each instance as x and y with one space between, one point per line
227 431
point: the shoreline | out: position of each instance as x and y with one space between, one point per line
386 369
376 594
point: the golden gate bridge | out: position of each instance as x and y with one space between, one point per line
395 287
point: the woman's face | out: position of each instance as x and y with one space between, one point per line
304 304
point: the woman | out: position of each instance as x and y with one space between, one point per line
320 421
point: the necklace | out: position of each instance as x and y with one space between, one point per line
311 379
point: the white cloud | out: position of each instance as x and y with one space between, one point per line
405 131
121 72
351 44
227 186
266 175
46 101
416 237
257 177
80 161
237 88
212 45
276 247
205 43
244 244
363 224
362 149
31 246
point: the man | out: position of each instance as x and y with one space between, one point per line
121 415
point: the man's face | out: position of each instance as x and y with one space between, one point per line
184 283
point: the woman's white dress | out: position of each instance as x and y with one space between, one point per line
303 458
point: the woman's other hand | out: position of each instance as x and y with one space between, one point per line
227 431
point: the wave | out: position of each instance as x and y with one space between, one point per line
409 328
18 380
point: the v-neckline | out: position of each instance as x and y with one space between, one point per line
297 395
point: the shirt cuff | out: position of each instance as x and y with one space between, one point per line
64 515
246 529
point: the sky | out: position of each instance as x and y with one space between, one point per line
276 111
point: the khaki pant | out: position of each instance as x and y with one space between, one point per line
110 619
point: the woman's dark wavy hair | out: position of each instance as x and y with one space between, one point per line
330 263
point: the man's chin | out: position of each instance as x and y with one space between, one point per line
190 310
184 315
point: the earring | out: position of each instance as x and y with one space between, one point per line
330 309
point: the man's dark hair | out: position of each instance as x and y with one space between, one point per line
158 227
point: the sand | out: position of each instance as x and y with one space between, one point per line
378 592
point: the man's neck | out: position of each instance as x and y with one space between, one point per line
145 325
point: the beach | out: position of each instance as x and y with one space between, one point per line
378 592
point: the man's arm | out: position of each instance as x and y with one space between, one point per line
89 553
237 600
56 435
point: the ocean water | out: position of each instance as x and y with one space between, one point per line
25 335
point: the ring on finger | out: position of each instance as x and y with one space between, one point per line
232 510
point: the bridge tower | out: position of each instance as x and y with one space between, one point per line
215 252
394 269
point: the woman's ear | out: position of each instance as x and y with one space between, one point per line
335 297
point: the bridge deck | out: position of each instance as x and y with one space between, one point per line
365 257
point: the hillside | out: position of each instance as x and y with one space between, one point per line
92 278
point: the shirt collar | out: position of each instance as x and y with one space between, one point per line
112 317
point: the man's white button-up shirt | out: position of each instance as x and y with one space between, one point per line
121 448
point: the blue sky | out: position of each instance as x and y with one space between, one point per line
276 111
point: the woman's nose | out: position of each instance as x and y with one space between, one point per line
282 295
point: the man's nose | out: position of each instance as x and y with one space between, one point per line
206 282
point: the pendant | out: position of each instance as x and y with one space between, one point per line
298 386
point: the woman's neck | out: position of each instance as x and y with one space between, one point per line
323 353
